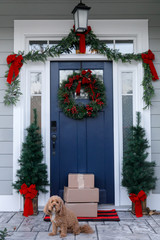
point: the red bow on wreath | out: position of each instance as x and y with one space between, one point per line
147 58
82 41
16 64
141 196
85 80
29 194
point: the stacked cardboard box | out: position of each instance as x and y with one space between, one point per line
81 196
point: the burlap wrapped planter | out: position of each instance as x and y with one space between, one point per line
144 210
35 205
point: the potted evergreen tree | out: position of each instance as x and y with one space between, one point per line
32 169
3 234
137 173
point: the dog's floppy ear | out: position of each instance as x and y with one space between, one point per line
63 208
45 210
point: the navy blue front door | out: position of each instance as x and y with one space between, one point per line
82 146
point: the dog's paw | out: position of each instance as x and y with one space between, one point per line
52 234
76 233
62 235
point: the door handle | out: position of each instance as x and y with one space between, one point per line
53 137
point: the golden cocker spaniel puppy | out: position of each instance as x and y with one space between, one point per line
63 218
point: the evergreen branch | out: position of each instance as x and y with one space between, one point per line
72 42
12 93
3 234
147 85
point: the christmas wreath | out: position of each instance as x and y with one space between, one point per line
77 82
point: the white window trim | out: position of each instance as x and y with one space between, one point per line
56 29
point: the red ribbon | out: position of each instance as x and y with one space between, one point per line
85 80
91 87
147 58
82 40
141 196
16 64
78 88
29 194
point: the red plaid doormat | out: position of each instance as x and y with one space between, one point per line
103 215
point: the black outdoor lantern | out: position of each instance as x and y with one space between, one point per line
80 14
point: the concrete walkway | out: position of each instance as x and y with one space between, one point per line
129 227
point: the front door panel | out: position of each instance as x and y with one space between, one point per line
82 146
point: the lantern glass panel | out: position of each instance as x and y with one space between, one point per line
83 18
76 20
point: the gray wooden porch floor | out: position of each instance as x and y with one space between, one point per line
129 227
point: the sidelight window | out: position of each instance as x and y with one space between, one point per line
36 93
127 106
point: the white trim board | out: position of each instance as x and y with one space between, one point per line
55 30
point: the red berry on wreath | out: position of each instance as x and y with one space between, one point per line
84 72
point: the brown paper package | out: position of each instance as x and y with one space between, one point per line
83 209
81 195
81 180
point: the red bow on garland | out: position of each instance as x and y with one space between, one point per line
82 41
141 196
29 193
16 64
147 58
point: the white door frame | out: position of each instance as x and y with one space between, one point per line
55 30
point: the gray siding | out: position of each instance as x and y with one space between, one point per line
11 10
6 116
155 115
154 35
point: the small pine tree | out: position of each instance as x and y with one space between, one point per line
137 173
3 234
32 170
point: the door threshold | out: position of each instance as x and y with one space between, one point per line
112 206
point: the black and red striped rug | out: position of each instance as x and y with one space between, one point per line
103 215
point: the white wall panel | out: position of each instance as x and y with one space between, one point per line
6 45
6 147
157 94
6 161
6 122
155 121
6 174
6 188
6 33
156 158
2 93
3 58
5 110
157 171
6 135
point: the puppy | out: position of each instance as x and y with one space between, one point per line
63 218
